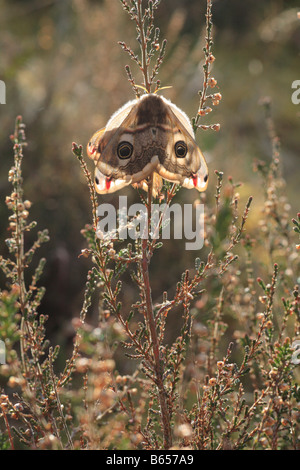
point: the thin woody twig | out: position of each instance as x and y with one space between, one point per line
158 366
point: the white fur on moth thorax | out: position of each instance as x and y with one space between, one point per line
147 135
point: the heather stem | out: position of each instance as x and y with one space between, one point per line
158 367
143 47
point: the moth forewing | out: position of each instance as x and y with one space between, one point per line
199 179
181 116
93 145
104 185
184 162
118 118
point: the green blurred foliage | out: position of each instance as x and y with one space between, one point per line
64 73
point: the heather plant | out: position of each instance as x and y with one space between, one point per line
228 380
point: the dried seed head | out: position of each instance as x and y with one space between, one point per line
3 398
273 373
217 96
85 253
212 82
9 202
27 204
184 430
120 379
107 365
82 365
18 407
284 422
16 382
25 214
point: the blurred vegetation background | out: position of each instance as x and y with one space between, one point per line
64 73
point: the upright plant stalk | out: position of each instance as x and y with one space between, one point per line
20 225
158 365
208 81
18 156
140 26
148 40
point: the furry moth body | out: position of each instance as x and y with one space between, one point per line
147 135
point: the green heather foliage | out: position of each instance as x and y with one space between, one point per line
226 376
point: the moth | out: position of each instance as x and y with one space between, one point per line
149 135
